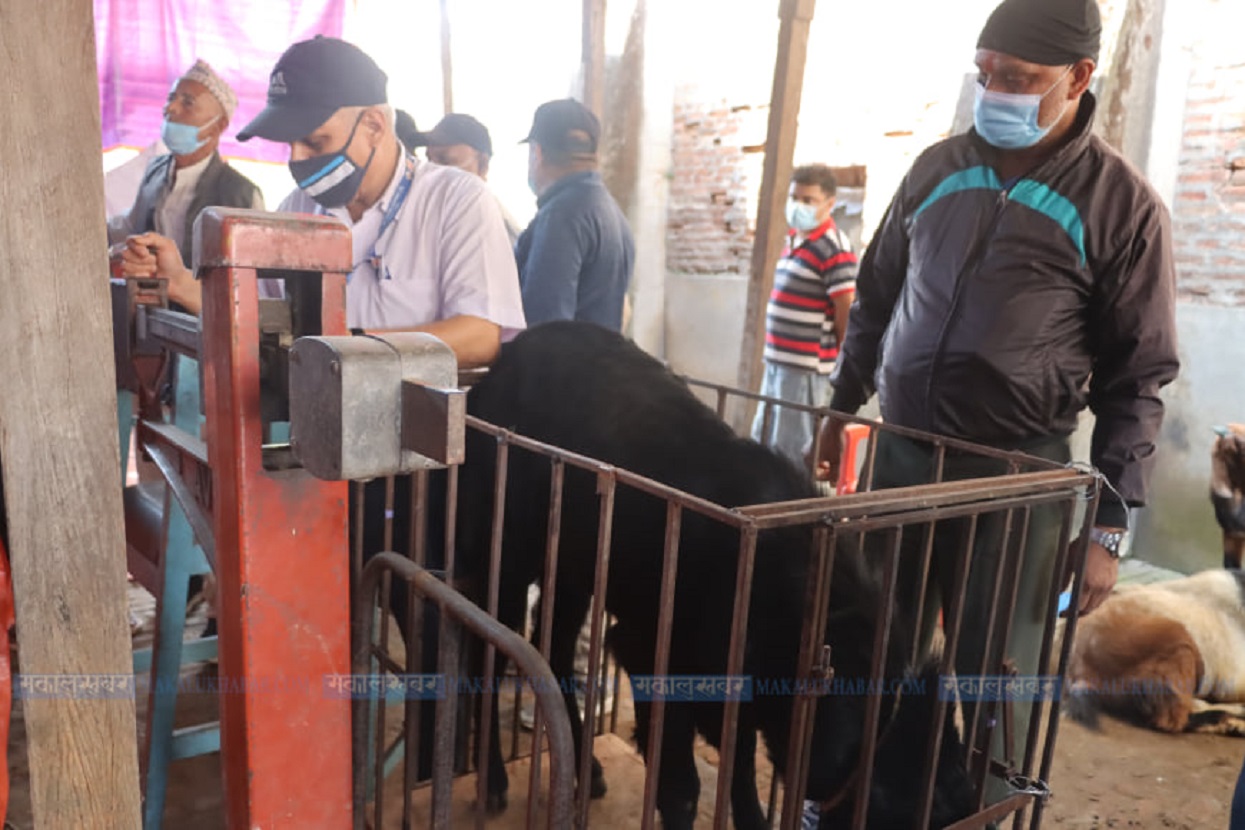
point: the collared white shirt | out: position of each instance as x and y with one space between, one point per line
445 254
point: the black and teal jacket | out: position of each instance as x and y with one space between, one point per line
995 312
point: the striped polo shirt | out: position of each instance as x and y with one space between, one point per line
799 320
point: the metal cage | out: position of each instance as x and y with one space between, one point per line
892 525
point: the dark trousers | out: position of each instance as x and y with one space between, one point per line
903 462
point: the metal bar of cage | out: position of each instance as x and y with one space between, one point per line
462 612
665 624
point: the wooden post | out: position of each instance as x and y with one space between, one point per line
58 428
594 56
447 64
1126 106
795 16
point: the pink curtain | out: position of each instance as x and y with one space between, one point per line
142 46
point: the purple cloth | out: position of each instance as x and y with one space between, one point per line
142 46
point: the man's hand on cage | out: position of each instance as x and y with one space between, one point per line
829 446
1101 571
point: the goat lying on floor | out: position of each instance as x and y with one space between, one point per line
1170 655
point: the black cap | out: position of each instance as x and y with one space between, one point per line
408 133
311 81
1045 32
566 125
457 128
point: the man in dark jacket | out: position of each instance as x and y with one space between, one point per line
177 186
1022 271
576 257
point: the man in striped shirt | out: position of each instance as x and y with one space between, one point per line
806 319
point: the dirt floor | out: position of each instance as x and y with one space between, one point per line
1124 776
1120 777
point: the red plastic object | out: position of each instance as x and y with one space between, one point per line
853 436
7 621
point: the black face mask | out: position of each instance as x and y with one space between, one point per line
331 179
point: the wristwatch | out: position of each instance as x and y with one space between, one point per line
1111 540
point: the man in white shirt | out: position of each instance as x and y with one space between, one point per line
430 247
178 184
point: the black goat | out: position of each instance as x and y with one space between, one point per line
590 391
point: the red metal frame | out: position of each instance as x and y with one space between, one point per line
282 561
7 621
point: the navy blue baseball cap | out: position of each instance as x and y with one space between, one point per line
311 81
565 125
457 128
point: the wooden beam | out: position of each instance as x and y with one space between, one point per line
58 427
447 64
1129 90
593 96
795 17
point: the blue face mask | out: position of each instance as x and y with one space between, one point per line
1008 120
802 217
183 139
332 179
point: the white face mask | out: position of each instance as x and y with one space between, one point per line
801 217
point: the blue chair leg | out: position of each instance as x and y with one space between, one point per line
125 425
165 675
181 560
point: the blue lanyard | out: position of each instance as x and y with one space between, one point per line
399 198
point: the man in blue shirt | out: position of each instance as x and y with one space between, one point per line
576 257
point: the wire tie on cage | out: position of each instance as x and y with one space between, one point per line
1025 785
1103 481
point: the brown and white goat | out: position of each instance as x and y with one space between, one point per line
1170 655
1227 492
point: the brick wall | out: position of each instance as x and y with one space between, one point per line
713 187
1208 211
